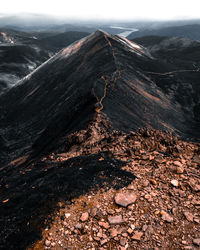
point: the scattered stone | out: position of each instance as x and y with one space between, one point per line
110 226
148 197
194 186
103 242
123 242
125 199
99 234
114 220
196 159
144 228
166 217
197 220
53 244
124 234
154 182
47 243
93 211
137 235
111 211
188 216
196 242
174 183
130 231
118 210
67 215
179 170
131 187
104 225
132 226
178 164
145 183
78 226
159 159
84 217
113 232
162 212
96 238
99 214
65 223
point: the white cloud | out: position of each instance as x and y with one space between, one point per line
114 9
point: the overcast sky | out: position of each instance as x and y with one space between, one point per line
106 9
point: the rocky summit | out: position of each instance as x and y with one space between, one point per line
96 154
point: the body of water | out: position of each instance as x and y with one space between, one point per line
126 31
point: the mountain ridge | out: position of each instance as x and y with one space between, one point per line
99 73
101 119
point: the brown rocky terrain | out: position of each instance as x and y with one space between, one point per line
158 209
109 190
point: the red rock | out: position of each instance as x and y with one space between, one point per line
96 238
174 183
47 243
196 159
125 199
123 242
130 231
177 163
99 234
166 217
197 220
159 159
102 242
114 220
188 216
196 242
179 170
110 211
93 211
113 233
84 216
78 226
104 225
194 186
154 182
137 235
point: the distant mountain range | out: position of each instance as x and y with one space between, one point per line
62 40
191 31
22 52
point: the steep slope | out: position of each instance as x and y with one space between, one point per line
16 61
21 52
184 55
100 72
